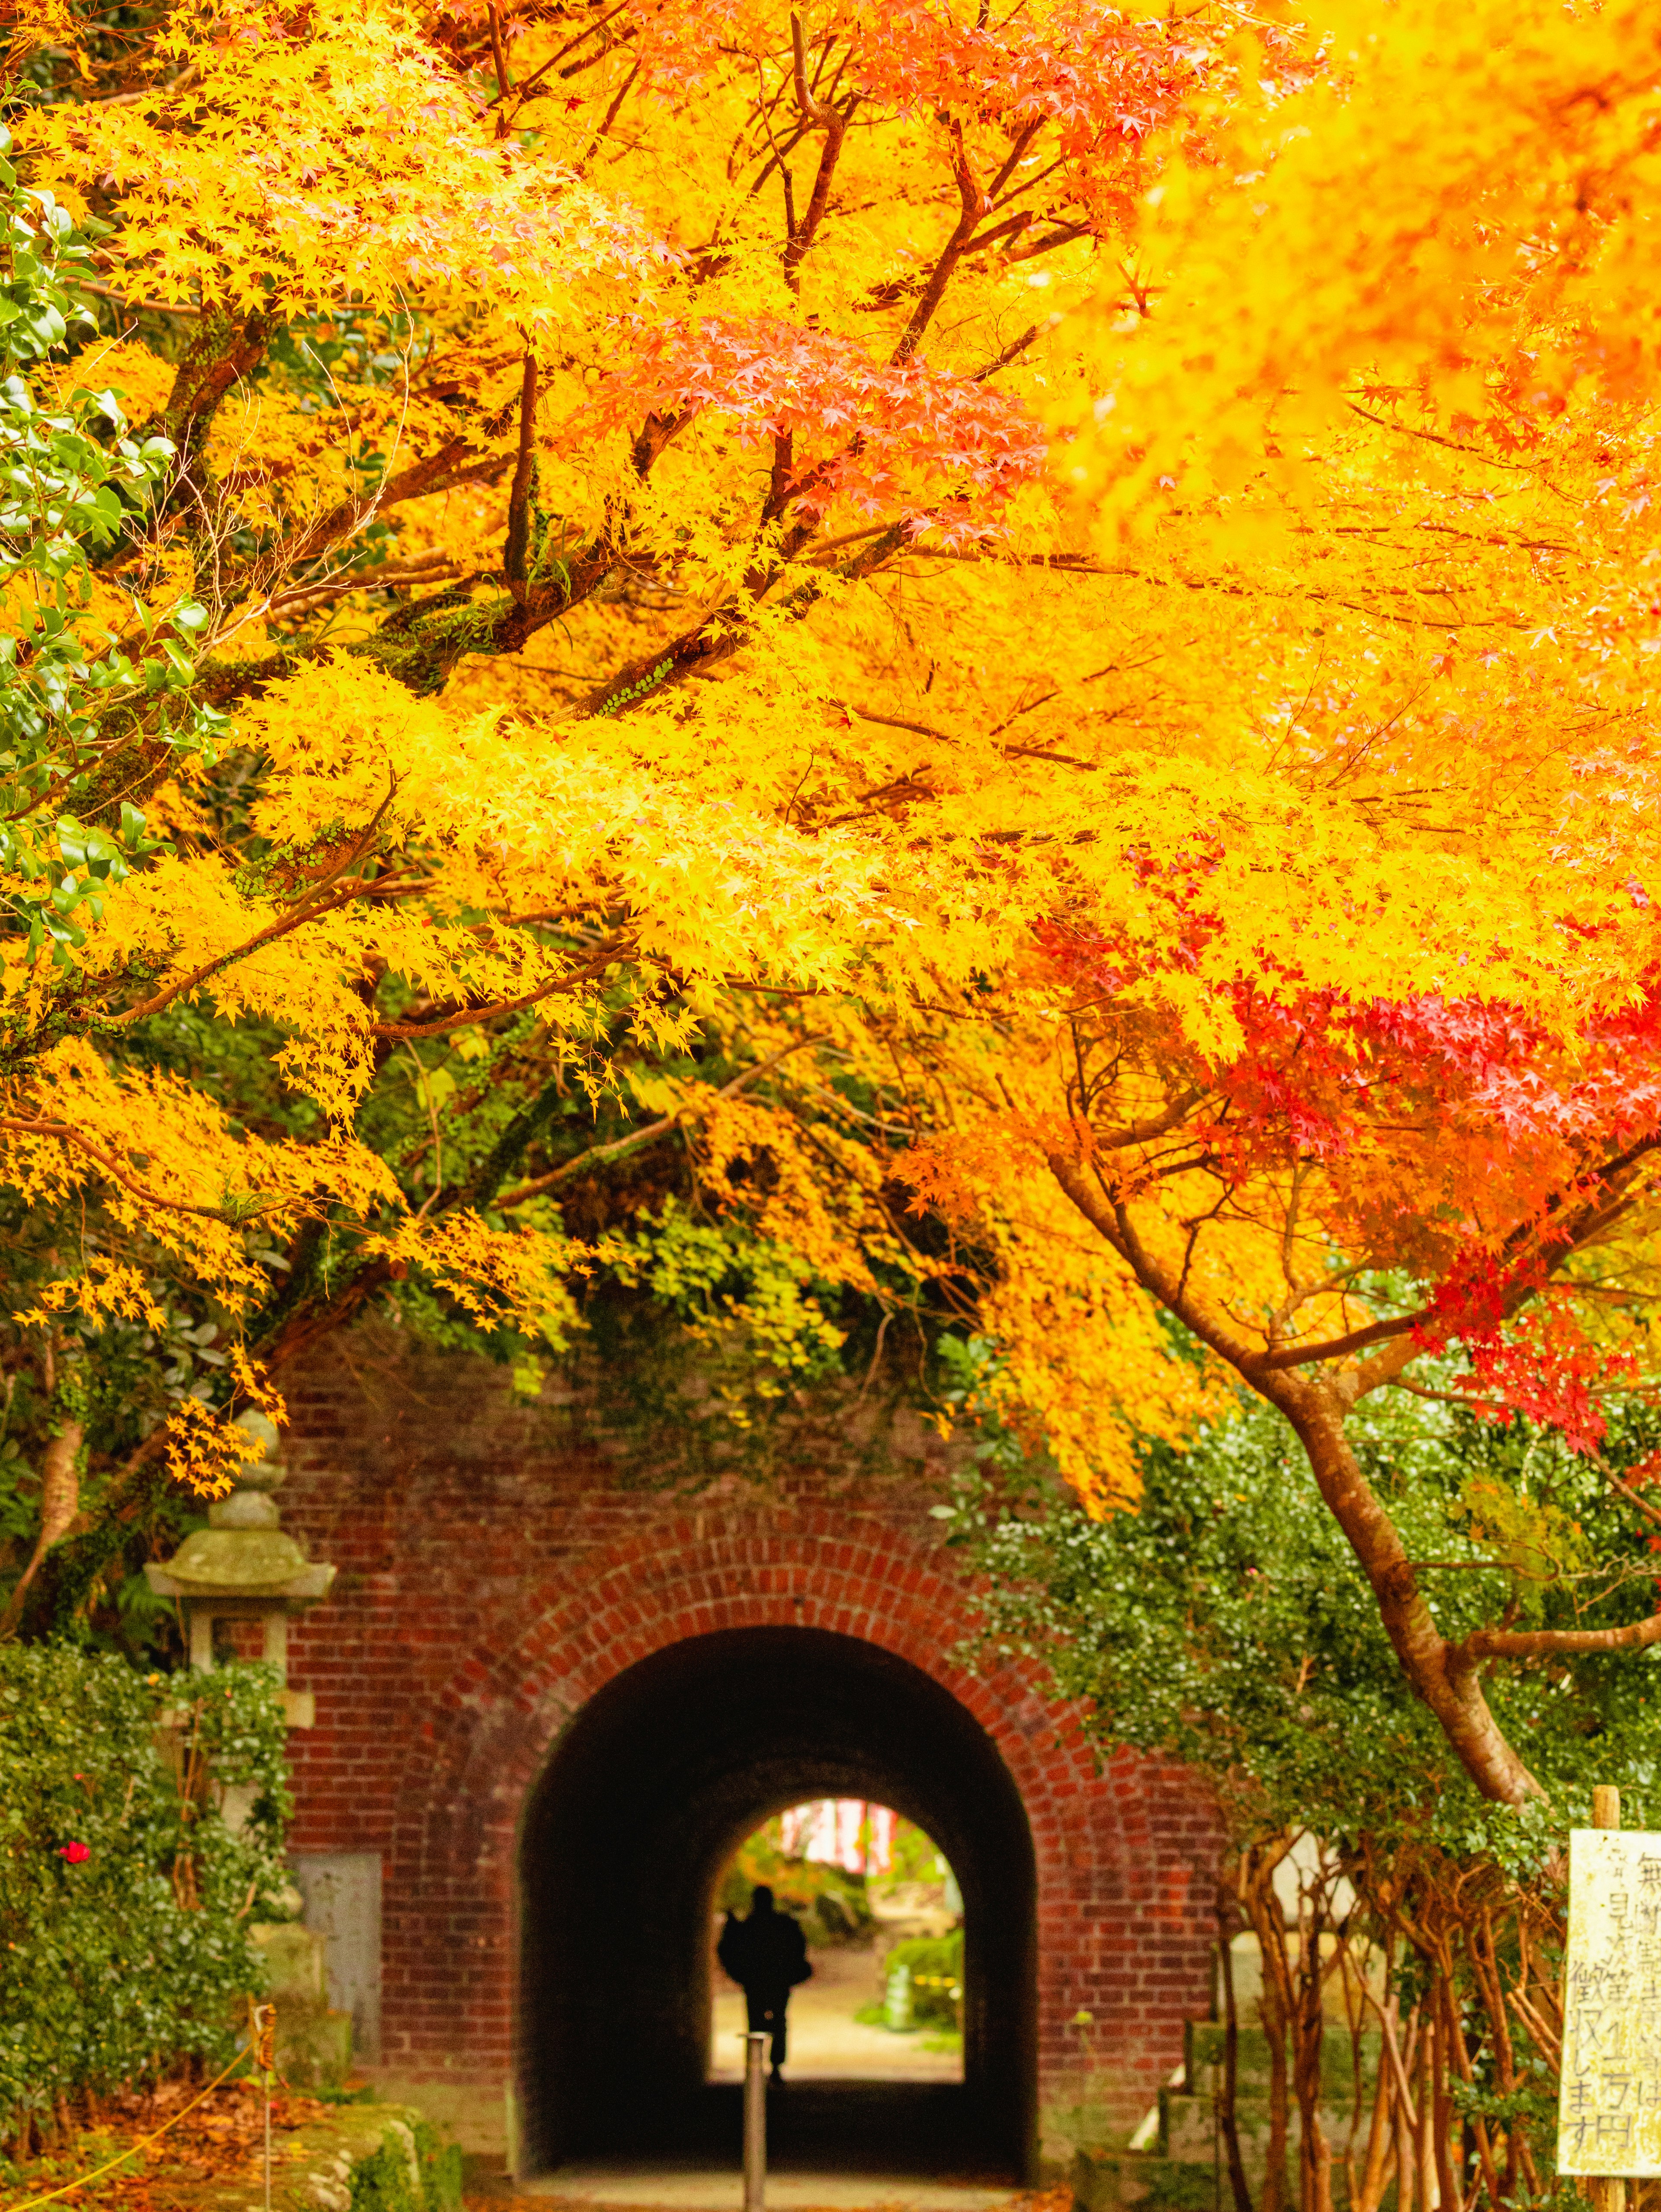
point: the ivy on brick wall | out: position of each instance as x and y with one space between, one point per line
125 1897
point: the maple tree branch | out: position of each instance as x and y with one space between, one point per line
1113 668
1023 139
60 1491
1339 1347
1549 1242
456 463
420 645
1561 1242
504 82
1064 234
554 59
1466 1398
136 306
313 905
299 1330
1157 1125
66 1134
1012 351
1442 1675
607 121
220 356
515 550
923 730
1431 437
781 485
822 115
718 636
894 722
1650 1512
468 1017
436 567
976 208
209 968
1445 1677
299 1326
894 289
597 1154
1112 1220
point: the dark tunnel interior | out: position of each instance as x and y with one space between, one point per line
652 1786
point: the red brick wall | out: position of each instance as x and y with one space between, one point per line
493 1576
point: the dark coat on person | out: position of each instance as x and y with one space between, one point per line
766 1953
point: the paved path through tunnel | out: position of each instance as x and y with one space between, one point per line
645 2189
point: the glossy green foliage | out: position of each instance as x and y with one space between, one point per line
126 1898
1225 1621
72 481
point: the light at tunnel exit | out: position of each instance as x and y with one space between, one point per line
882 1913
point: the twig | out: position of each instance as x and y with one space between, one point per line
133 306
466 1017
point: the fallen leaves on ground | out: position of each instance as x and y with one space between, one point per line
221 2140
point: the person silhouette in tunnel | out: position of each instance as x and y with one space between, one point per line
766 1955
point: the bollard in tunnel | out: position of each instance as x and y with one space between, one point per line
755 2123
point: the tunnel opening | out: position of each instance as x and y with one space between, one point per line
648 1795
880 1913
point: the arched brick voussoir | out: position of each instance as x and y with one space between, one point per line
467 1776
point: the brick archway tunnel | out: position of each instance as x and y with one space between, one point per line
659 1778
511 1634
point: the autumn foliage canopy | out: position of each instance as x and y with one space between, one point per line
1036 619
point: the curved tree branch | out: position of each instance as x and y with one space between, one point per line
1552 1643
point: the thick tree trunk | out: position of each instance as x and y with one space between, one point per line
1437 1671
1316 1403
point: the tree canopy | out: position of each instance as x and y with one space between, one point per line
1045 607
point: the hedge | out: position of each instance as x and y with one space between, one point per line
126 1900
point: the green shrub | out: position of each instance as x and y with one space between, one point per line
440 2169
411 2171
936 1964
125 1898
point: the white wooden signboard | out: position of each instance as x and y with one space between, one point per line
1610 2116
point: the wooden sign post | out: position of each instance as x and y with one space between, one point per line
1609 2122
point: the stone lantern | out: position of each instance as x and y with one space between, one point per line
242 1566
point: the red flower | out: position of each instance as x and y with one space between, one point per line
73 1852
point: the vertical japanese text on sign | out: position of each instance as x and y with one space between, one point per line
1609 2116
